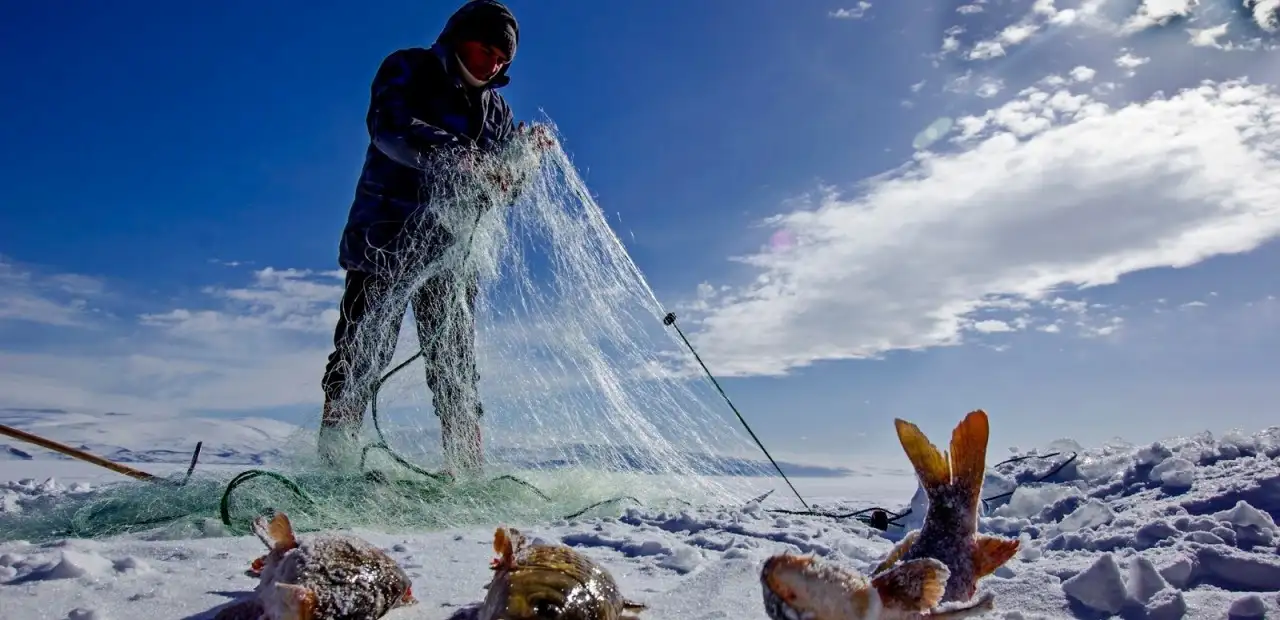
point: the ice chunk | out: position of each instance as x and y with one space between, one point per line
1099 587
73 564
1144 580
683 559
1153 454
1153 532
1028 500
1167 604
1178 573
1240 570
1174 473
1204 538
1092 514
1249 606
1244 514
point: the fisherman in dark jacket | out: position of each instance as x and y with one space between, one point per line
433 114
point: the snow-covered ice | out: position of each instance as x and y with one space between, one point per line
1183 528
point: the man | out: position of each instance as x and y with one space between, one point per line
434 115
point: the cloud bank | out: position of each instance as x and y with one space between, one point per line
1051 190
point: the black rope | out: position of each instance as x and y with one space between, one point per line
875 516
670 319
881 518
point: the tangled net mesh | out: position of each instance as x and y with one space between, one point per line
587 396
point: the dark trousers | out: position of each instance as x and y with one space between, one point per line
364 342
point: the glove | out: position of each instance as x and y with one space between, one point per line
541 136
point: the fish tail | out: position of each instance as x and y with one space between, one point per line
930 464
298 602
969 456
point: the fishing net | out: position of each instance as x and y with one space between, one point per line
586 394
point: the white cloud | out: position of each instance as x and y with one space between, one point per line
258 346
1126 60
1017 33
1208 37
1052 190
265 344
991 326
989 88
276 300
1152 13
52 299
1043 13
969 9
1045 17
1082 74
1266 13
857 12
986 50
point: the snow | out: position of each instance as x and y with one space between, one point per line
1183 528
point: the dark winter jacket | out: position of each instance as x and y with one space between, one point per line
419 108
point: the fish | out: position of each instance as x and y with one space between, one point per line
952 482
326 577
544 581
806 587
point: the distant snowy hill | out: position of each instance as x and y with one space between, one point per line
135 438
138 438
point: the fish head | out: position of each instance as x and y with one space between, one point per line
507 543
401 582
408 599
528 593
540 609
799 587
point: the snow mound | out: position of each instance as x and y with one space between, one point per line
1179 528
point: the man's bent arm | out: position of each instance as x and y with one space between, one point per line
403 138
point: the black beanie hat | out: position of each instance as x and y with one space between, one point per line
487 21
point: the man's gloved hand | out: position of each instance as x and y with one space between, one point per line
471 164
501 177
542 137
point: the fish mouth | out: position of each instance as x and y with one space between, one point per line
781 600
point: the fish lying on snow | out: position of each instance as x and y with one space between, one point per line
534 581
953 486
803 587
332 577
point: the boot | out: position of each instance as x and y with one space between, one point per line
338 444
463 445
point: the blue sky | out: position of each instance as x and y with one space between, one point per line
157 157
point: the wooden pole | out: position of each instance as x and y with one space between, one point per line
79 454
